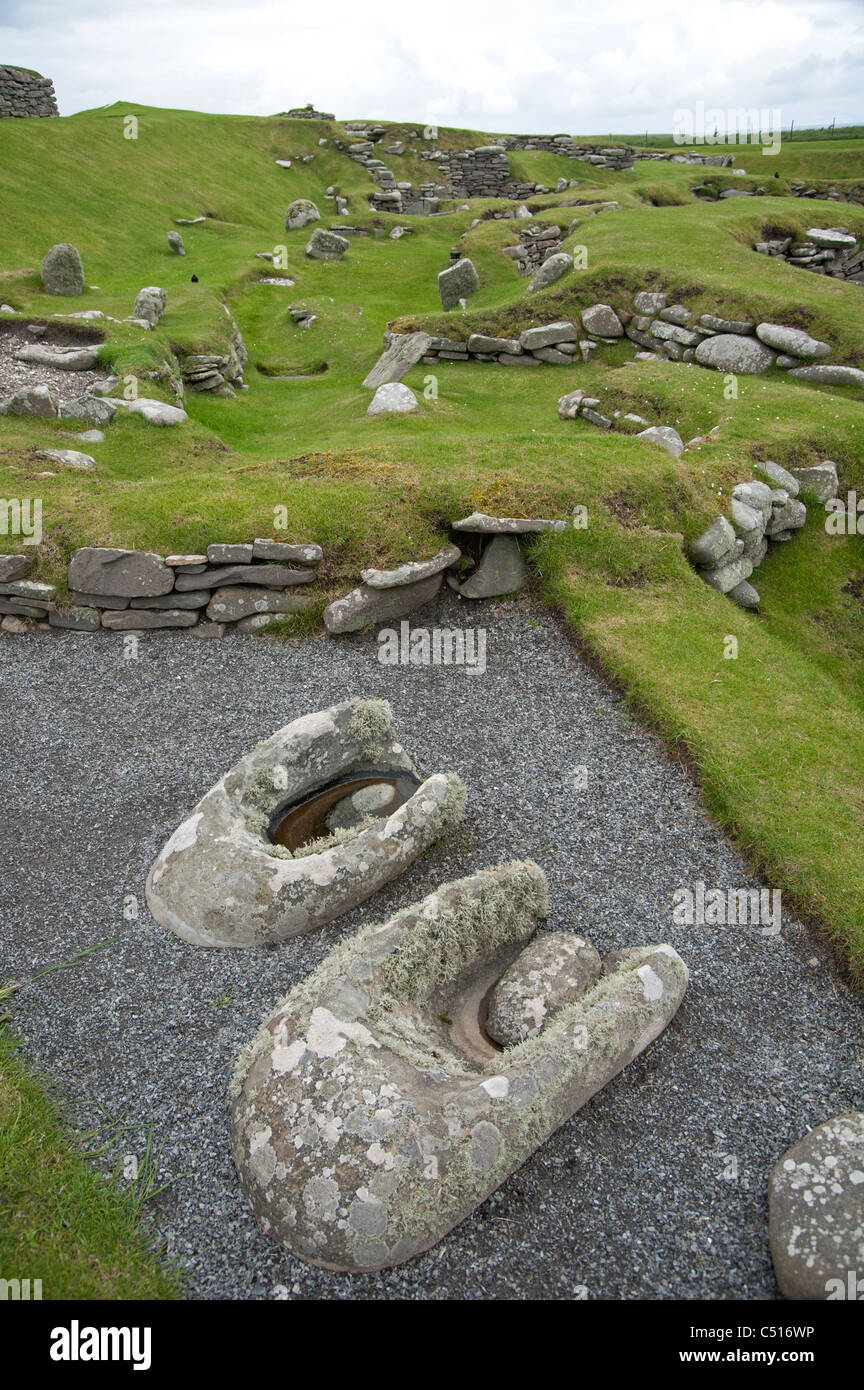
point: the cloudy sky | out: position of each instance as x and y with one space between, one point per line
499 65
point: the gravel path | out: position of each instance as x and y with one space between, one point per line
15 374
657 1189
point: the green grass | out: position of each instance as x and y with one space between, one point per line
60 1221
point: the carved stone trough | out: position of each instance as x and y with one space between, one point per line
373 1111
228 876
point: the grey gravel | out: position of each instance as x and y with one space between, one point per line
633 1198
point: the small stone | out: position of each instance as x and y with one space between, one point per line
394 397
665 437
602 321
138 619
649 302
326 246
487 525
551 270
365 605
175 241
501 570
548 335
301 212
744 595
229 605
14 567
791 340
413 570
819 481
553 971
218 554
76 618
283 553
568 406
714 545
778 475
150 304
68 458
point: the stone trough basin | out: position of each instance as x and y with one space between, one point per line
310 823
373 1110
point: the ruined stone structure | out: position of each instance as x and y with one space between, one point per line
26 93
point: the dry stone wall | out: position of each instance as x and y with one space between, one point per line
26 93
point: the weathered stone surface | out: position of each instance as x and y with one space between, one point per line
829 239
222 554
781 477
506 525
732 352
740 327
133 620
62 271
827 375
548 334
413 570
286 554
229 605
220 880
789 517
366 605
175 241
457 282
191 598
501 570
757 495
816 1212
649 302
552 972
209 631
75 619
14 567
94 410
68 458
98 600
155 412
481 342
551 270
150 304
393 398
300 213
819 481
569 405
41 401
403 353
553 355
726 576
714 545
326 246
32 589
677 314
96 569
602 321
518 359
65 359
744 595
267 576
791 340
665 437
371 1025
188 563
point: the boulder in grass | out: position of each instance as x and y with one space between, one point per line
393 398
551 270
665 437
827 374
457 282
819 480
41 401
501 570
326 246
714 545
401 354
300 213
150 304
62 271
175 241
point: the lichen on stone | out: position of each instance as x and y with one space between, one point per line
371 721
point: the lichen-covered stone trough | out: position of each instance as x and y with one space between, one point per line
372 1111
222 880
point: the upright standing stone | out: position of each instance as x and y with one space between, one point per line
457 282
62 271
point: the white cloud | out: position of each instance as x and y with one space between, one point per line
492 64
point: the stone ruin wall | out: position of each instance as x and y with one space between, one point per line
26 93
